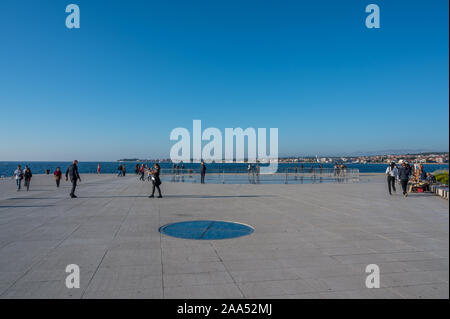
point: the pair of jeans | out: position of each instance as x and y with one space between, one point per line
74 186
202 178
404 183
27 184
391 183
19 183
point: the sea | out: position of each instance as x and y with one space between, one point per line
8 168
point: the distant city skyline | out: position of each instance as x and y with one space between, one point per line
135 70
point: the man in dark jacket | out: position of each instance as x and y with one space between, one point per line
202 172
72 172
403 175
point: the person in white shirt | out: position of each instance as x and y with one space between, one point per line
392 174
18 175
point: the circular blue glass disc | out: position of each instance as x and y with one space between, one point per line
206 230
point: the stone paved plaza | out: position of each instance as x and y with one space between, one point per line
310 241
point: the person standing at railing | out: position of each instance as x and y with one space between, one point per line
336 169
156 180
253 174
173 172
392 173
124 170
202 172
258 170
98 168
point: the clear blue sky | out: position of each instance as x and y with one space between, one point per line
135 70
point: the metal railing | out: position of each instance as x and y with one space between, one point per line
243 176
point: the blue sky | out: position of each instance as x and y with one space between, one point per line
135 70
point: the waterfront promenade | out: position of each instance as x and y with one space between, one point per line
310 240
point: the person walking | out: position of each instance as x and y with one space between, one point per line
124 170
202 172
58 175
142 172
136 169
99 168
403 174
392 173
120 170
72 172
156 180
18 175
27 177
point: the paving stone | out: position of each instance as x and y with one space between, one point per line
310 241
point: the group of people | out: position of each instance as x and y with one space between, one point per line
122 170
74 176
179 171
403 174
339 169
26 174
23 175
152 174
253 172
